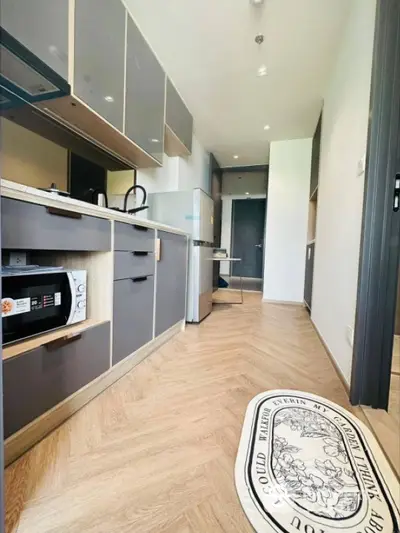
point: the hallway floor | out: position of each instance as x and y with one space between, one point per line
155 452
386 425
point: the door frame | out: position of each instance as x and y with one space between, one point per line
245 197
379 257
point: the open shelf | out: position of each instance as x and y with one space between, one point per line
27 345
312 221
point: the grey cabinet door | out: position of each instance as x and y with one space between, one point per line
133 315
36 381
308 283
171 281
42 27
100 57
178 117
26 226
145 95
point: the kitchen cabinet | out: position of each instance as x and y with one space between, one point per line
133 238
179 124
171 281
42 27
26 226
308 283
133 315
100 57
133 264
145 94
113 104
38 380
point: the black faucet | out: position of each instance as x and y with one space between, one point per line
136 209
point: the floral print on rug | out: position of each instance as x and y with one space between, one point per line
322 481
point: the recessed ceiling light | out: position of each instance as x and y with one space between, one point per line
267 127
256 2
109 99
262 71
235 157
155 141
246 193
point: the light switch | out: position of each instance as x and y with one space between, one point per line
361 165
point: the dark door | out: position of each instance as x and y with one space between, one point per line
248 220
380 241
85 175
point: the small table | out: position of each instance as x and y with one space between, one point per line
231 260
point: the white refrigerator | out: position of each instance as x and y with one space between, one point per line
193 212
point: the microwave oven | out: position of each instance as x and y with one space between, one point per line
40 299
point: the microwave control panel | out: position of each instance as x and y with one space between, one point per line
79 282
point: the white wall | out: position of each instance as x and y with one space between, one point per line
242 182
30 159
178 173
226 232
194 171
340 194
287 219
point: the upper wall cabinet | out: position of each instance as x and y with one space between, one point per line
145 94
114 97
100 57
178 124
42 27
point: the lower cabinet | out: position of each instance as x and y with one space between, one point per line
171 281
38 380
133 315
308 283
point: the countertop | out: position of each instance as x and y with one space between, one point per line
10 189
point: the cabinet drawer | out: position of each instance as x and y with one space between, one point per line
133 237
37 227
36 381
133 316
133 264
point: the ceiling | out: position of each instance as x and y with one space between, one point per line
207 48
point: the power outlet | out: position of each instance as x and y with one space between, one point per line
350 335
18 258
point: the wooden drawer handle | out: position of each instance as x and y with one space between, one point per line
139 279
140 228
63 213
64 341
140 254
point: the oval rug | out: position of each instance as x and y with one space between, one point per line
306 464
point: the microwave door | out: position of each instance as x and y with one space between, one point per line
33 304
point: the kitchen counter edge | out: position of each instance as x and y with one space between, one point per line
17 191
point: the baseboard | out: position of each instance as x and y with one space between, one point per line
34 432
282 302
333 360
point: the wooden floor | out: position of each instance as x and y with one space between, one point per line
155 452
386 425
